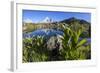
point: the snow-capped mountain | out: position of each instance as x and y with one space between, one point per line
46 20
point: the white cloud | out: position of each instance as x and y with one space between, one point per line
28 21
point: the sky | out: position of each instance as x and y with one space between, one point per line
36 16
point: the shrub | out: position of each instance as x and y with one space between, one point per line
71 45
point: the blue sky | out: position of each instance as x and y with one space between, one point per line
37 16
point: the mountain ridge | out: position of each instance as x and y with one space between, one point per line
67 21
73 19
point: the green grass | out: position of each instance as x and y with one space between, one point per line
36 50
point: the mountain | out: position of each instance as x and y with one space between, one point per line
73 19
46 20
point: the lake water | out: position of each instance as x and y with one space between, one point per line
43 32
47 33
